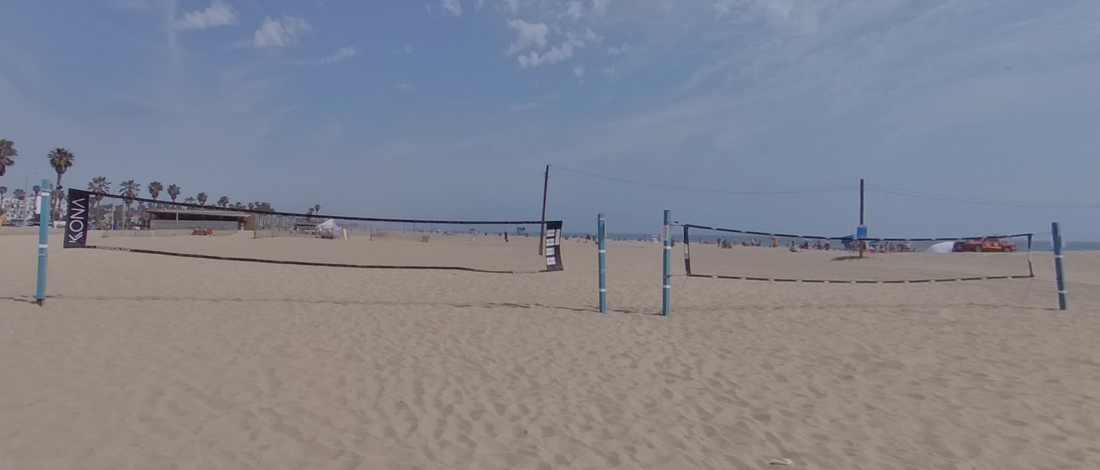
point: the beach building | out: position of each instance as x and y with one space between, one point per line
175 219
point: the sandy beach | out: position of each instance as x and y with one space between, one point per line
142 361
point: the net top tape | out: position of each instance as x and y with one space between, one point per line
867 281
818 237
323 216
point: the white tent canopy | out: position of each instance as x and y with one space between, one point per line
942 247
329 228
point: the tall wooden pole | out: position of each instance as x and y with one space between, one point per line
862 226
861 200
542 229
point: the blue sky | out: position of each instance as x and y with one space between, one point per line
451 109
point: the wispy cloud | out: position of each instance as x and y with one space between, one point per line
404 87
573 10
600 5
524 106
527 35
284 31
554 55
217 14
341 55
452 7
623 49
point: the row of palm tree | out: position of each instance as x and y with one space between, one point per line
60 159
130 190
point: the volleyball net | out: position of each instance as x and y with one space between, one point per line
762 256
150 226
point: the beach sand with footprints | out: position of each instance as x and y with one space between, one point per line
141 361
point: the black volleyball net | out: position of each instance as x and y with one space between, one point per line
761 256
150 226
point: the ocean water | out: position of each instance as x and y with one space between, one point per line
678 235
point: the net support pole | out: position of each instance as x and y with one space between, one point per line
43 241
687 251
542 228
862 224
666 291
1059 273
602 252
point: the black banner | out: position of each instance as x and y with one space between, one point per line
553 246
76 225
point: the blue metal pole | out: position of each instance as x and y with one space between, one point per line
1059 272
603 263
666 294
43 240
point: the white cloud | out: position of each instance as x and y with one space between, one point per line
452 7
527 35
600 6
513 5
404 87
574 10
623 49
524 106
592 37
554 55
281 32
578 71
723 7
342 54
217 14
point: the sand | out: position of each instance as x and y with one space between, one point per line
143 361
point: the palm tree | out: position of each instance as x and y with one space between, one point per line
154 189
202 199
173 192
317 209
100 186
189 200
19 194
223 202
3 191
7 154
129 190
61 160
61 197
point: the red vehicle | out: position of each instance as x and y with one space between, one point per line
988 244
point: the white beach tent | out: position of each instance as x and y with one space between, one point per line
329 229
942 247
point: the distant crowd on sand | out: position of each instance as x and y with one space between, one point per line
805 245
819 244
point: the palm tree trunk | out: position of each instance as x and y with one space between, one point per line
55 203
